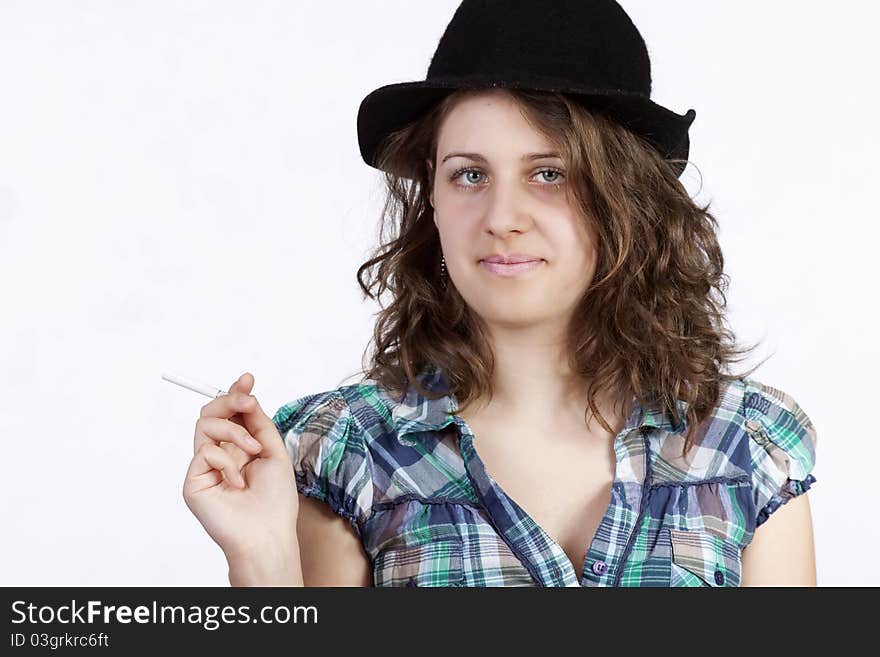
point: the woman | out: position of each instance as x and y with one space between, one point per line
549 401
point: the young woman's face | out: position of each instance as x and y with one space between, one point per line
508 203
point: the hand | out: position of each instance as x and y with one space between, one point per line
243 493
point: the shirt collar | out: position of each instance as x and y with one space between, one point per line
418 413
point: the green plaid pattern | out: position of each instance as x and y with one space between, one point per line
408 479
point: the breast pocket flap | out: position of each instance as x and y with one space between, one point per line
432 561
714 560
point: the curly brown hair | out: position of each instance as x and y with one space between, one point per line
650 325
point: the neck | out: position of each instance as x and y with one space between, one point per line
533 382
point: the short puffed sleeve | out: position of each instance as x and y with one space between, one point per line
782 446
328 450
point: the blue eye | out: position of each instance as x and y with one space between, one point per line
458 173
556 172
465 170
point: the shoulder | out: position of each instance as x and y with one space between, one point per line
782 445
310 409
327 444
774 419
359 409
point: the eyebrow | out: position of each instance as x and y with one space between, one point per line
528 157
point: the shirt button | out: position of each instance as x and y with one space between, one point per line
719 577
599 567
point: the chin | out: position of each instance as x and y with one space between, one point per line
511 314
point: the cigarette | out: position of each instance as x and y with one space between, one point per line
208 391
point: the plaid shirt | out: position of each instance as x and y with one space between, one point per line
409 481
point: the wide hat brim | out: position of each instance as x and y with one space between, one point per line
393 106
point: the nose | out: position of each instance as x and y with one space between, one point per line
508 208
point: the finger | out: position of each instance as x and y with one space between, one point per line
199 476
263 429
217 407
238 387
218 459
236 419
225 406
252 417
239 456
241 386
214 430
245 383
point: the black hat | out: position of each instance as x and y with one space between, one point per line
589 49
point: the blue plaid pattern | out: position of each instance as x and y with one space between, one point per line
407 478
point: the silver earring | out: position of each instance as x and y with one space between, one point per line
443 271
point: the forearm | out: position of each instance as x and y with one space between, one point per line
270 566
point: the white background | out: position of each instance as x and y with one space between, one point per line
181 189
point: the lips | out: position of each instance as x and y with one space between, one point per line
510 269
512 259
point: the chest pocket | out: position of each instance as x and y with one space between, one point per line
429 557
701 558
